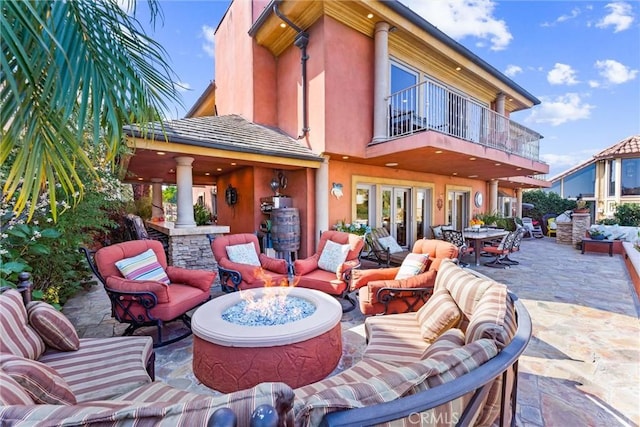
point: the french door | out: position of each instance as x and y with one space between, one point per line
458 208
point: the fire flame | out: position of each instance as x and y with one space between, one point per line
274 296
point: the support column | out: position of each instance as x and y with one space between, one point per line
322 199
500 103
184 183
519 202
381 81
493 196
157 210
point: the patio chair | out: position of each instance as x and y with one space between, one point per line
500 251
329 269
241 265
551 227
515 247
436 230
379 292
144 290
383 248
456 237
136 230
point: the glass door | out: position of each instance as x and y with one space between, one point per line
458 209
395 205
422 212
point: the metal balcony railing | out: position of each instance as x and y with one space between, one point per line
431 106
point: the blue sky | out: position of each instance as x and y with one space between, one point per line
580 58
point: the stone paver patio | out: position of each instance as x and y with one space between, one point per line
582 366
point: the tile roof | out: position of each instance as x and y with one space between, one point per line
624 148
231 132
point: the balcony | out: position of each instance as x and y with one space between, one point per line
431 106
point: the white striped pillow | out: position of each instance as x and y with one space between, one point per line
412 265
17 336
438 315
143 267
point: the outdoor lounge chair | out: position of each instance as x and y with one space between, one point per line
501 251
152 293
383 248
245 267
329 269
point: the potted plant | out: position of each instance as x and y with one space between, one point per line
581 207
596 234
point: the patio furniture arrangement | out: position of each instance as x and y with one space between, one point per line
481 238
456 357
144 290
503 249
242 266
383 248
329 269
381 291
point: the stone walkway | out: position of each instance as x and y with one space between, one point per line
581 368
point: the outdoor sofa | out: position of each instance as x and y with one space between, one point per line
452 362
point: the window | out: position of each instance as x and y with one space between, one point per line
365 205
612 177
582 182
630 181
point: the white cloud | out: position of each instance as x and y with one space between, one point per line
462 18
561 109
182 86
209 45
562 74
594 83
620 17
562 18
615 72
512 70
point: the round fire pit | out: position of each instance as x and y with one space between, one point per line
229 357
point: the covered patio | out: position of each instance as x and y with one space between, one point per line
582 366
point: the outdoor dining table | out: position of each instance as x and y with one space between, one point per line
477 239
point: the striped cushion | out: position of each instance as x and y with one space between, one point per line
439 314
143 267
53 327
488 319
12 393
103 367
17 336
42 383
412 265
158 391
453 338
465 288
386 331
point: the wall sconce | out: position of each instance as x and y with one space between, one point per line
440 202
275 185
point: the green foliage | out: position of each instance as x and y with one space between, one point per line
142 207
608 221
68 66
359 229
170 194
628 214
201 214
545 203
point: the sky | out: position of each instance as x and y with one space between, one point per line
581 59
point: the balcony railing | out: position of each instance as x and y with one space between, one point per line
430 106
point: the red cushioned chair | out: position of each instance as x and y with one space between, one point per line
235 276
146 302
309 275
381 293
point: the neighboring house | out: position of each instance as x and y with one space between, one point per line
408 128
609 178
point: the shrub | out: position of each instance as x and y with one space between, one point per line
628 214
201 214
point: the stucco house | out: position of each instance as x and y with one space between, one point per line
378 117
609 178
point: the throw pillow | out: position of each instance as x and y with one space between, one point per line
12 393
389 242
449 340
243 254
143 267
439 314
17 336
42 383
333 255
412 265
53 327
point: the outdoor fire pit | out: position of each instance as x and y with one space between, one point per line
230 356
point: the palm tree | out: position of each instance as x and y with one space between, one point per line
68 66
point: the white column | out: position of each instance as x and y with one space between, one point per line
184 183
381 81
493 196
519 202
322 199
500 103
156 198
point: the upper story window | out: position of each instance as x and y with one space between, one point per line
402 78
630 181
612 178
582 182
